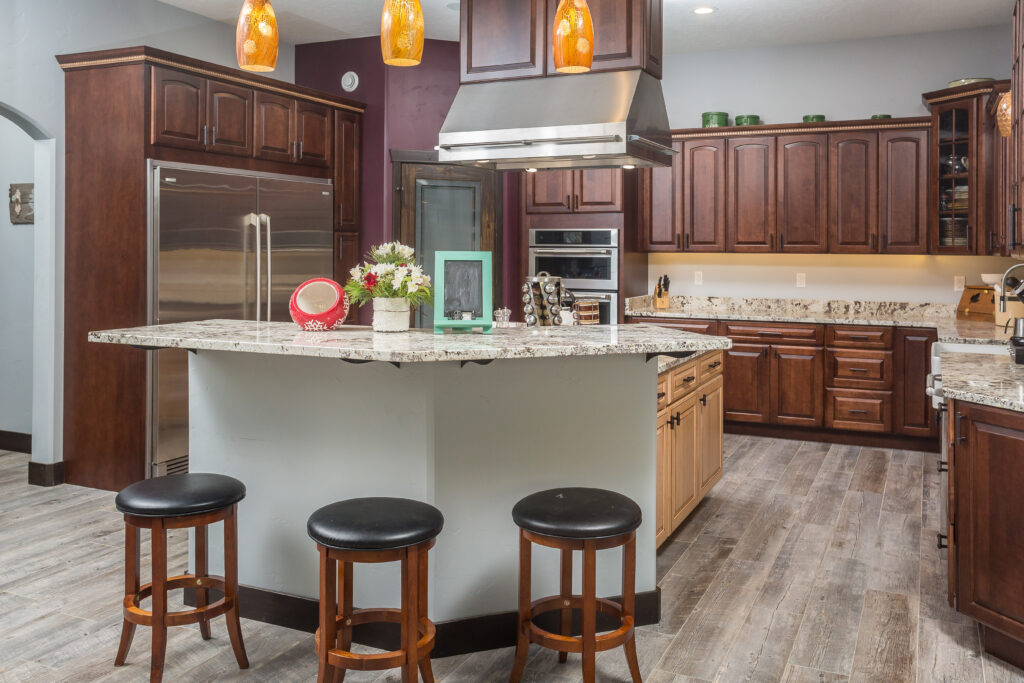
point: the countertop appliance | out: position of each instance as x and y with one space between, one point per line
223 244
587 261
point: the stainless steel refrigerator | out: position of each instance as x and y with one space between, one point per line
223 244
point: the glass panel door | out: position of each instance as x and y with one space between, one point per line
954 196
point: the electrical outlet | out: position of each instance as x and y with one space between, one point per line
698 277
801 279
959 282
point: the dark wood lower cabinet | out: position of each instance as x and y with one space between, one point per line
797 385
913 414
987 548
748 376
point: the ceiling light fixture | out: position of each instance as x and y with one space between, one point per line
628 167
401 32
572 38
256 36
531 170
704 10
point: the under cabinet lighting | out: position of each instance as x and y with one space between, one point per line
531 170
628 167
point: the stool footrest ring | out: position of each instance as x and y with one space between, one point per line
346 659
560 643
136 615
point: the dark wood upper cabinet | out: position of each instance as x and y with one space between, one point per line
853 192
347 140
903 191
230 119
549 191
703 196
661 216
955 191
797 385
503 39
179 109
802 208
275 127
654 37
627 35
750 203
913 413
598 190
748 383
313 134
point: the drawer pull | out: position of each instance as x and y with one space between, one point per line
714 365
661 395
858 412
689 379
859 337
858 370
768 333
941 541
943 466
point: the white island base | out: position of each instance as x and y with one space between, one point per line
304 432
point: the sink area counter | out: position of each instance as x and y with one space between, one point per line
988 380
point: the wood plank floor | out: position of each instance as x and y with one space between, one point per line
807 562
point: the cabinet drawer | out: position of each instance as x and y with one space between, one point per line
813 335
684 381
860 337
862 411
663 390
698 326
857 369
710 366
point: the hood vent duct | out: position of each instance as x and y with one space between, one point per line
615 118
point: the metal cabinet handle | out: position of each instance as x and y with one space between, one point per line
942 465
300 148
255 221
661 395
205 139
568 202
941 541
874 242
704 400
858 369
689 379
859 337
270 280
714 365
576 203
857 411
885 241
676 418
769 333
677 241
958 429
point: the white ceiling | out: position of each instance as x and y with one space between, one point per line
736 24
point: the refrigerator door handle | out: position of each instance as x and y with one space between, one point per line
254 219
270 261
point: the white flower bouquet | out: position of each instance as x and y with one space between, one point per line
390 272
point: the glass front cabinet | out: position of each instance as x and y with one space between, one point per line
963 219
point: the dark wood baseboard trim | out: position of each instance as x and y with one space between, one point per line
1000 645
457 637
45 473
870 439
15 441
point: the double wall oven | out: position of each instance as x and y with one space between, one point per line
587 260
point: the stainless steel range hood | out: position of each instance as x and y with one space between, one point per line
616 118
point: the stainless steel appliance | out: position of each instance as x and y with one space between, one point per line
584 259
223 244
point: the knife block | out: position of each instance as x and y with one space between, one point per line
660 302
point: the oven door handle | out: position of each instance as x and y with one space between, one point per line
588 295
573 252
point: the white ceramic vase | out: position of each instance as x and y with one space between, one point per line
390 315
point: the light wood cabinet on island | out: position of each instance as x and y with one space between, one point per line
690 422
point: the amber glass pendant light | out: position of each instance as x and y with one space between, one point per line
572 39
1004 115
401 32
256 36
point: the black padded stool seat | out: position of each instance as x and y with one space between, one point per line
577 513
179 495
374 524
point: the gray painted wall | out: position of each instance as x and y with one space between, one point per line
845 80
34 31
17 161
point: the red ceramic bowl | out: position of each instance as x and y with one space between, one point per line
319 304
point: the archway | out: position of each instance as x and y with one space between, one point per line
47 309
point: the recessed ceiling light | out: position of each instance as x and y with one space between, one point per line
704 10
531 170
628 167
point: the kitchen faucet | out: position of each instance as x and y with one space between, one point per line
1002 286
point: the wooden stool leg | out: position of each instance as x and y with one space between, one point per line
566 594
131 588
345 632
523 635
589 636
629 603
328 613
159 543
425 669
202 571
410 615
231 587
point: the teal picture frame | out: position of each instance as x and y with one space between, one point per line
471 272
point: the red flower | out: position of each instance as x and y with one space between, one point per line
370 281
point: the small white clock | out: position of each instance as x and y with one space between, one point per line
350 81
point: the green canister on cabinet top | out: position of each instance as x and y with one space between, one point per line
814 118
748 120
714 119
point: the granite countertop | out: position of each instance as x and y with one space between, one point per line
942 317
362 344
989 380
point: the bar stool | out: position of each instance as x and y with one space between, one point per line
180 501
588 520
372 530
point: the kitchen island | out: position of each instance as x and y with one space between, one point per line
468 423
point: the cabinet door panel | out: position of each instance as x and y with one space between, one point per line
313 133
347 143
685 490
711 423
914 415
549 191
179 109
853 193
230 117
663 493
802 193
798 386
502 39
660 190
275 127
598 190
747 383
903 191
750 209
654 37
703 200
